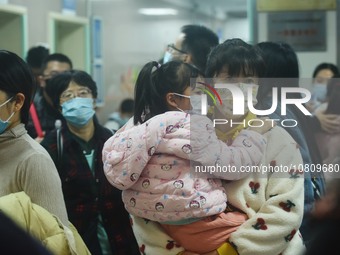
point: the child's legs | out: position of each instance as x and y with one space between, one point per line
207 234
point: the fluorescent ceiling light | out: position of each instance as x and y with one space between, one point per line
157 11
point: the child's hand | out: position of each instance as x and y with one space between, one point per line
267 125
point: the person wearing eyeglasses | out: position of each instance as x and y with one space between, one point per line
93 205
192 46
45 114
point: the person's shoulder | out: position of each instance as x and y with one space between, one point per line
36 148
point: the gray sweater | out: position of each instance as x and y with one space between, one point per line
26 166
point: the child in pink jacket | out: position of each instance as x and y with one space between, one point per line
157 163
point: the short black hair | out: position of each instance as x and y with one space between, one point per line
198 41
57 57
127 105
237 56
323 66
281 62
16 77
59 83
36 56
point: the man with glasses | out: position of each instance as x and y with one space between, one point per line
192 46
42 112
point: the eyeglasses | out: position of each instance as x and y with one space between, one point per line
171 47
51 75
69 94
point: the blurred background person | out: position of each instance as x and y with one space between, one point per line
118 119
43 115
282 70
192 46
35 59
93 205
322 73
329 144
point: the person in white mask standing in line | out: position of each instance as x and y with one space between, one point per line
93 205
192 46
322 73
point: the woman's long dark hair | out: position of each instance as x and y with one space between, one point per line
16 77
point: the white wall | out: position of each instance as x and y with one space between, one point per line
129 39
37 16
237 28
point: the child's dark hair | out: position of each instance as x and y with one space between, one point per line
154 82
237 56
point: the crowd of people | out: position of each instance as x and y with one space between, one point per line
131 185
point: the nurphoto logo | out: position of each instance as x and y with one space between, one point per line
245 97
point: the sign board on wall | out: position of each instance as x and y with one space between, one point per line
304 31
295 5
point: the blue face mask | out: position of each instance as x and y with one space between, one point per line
167 57
78 111
320 92
4 124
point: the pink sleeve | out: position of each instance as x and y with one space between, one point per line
126 154
224 161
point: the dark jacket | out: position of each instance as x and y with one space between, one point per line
47 116
87 195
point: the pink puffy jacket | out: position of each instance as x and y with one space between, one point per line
154 164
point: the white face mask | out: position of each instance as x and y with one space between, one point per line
181 95
227 99
196 103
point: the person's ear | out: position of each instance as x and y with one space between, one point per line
171 101
19 100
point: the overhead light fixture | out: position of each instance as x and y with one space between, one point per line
157 11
